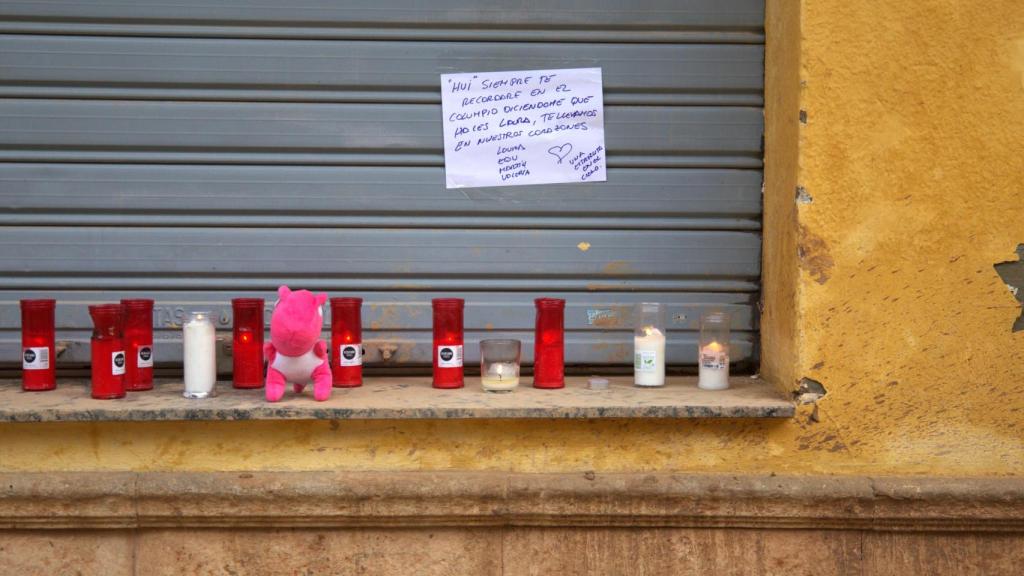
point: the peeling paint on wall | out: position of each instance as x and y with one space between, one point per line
1012 274
815 259
810 391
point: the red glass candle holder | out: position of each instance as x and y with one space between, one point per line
448 342
38 359
347 342
247 342
138 344
108 358
549 344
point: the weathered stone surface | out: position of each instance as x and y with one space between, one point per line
392 552
388 499
515 524
513 551
673 551
898 554
78 500
398 398
320 499
79 552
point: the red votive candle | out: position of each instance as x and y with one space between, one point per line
347 342
247 342
138 344
38 359
448 342
108 358
549 344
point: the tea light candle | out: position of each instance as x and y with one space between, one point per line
649 357
499 364
200 355
713 373
500 376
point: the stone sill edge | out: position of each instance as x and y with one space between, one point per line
405 499
400 398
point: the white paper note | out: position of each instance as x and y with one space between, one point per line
523 127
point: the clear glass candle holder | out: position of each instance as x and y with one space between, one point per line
499 364
713 355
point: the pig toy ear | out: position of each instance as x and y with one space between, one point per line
283 292
320 299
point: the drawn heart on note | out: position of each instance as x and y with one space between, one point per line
560 152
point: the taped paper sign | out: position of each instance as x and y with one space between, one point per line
525 127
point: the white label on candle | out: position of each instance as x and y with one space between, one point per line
449 356
350 354
145 359
713 360
117 363
35 358
649 357
646 361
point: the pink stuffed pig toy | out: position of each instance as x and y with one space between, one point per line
296 353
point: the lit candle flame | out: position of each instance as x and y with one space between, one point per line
714 346
650 330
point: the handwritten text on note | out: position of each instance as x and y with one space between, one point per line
525 127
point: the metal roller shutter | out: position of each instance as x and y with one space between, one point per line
198 152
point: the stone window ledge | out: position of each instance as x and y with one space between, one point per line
401 398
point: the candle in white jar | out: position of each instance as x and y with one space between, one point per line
200 355
649 357
500 377
713 372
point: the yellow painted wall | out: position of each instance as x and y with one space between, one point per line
914 154
881 288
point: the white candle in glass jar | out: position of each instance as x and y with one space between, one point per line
500 377
200 356
713 367
649 357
